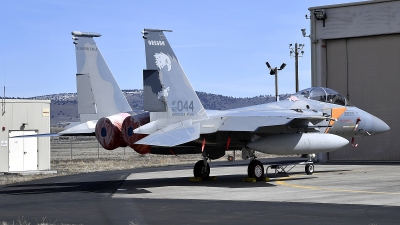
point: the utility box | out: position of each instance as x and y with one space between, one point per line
24 117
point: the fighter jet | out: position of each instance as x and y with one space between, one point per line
314 120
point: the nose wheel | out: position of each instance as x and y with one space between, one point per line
309 168
256 170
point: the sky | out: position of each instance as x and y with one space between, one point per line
222 45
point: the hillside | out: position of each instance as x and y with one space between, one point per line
64 107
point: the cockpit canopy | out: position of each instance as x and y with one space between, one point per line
323 94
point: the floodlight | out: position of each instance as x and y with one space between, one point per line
269 67
282 66
320 14
303 31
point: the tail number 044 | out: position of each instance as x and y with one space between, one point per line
182 106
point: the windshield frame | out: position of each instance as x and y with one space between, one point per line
323 94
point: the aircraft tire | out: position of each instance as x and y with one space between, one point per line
309 169
198 170
255 170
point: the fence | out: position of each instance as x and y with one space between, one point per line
63 148
68 148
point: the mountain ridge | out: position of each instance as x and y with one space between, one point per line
64 106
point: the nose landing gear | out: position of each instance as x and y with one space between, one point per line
309 168
255 170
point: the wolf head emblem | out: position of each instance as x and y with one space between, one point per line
162 60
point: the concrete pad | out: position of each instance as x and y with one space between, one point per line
339 184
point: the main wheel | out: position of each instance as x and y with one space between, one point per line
309 169
256 170
200 171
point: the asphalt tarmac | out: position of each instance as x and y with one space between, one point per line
334 194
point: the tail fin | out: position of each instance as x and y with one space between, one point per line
98 93
167 91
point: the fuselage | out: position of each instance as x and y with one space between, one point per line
234 128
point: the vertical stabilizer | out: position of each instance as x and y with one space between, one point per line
167 91
98 93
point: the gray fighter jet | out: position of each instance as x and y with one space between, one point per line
311 121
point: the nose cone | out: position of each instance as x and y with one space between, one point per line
378 125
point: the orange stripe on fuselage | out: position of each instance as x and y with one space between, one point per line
336 113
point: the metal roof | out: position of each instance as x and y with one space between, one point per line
350 4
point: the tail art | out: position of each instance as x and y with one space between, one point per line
167 91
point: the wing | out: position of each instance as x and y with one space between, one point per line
255 120
173 134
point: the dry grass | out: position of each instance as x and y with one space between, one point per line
23 221
67 167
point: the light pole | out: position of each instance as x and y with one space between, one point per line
298 52
274 71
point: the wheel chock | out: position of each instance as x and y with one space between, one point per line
251 179
212 178
195 179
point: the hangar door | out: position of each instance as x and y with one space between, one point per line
23 153
367 71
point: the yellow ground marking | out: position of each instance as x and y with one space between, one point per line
281 181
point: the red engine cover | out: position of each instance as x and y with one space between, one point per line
130 123
108 131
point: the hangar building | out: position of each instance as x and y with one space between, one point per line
356 51
24 117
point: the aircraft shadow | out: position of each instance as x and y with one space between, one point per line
140 185
131 186
107 187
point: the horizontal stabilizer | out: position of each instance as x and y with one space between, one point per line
173 135
86 128
37 135
83 129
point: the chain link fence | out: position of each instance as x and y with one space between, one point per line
68 148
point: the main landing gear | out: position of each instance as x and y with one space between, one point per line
202 168
255 168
